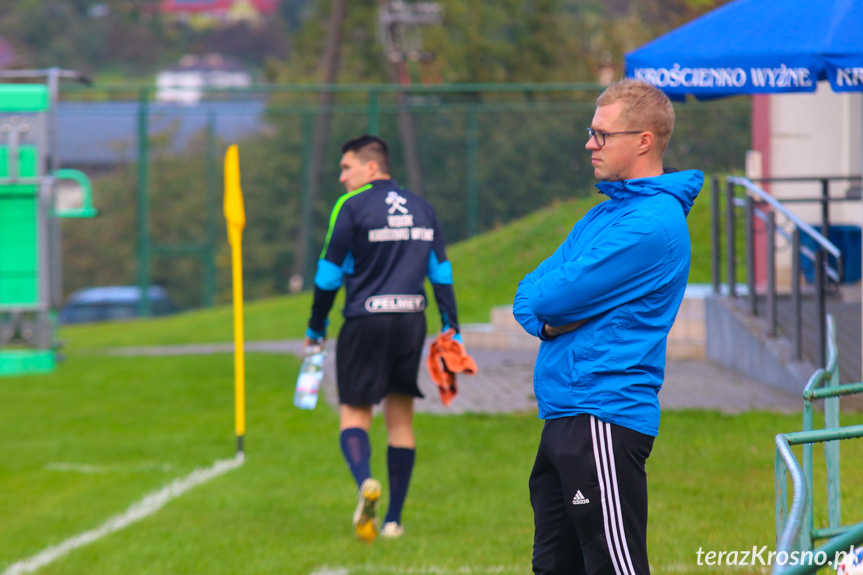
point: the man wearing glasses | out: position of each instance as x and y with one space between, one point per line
603 304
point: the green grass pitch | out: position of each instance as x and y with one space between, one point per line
83 444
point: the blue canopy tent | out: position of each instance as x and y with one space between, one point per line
758 47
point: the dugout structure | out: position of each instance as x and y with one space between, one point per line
34 194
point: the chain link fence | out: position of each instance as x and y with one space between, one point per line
484 155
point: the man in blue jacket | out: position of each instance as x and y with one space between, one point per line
383 241
603 304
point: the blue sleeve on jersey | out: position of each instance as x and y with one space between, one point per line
329 275
318 335
439 272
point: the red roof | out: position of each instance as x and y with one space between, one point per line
214 6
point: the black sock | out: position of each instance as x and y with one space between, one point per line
357 451
400 461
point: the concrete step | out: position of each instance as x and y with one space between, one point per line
504 332
685 341
490 336
502 318
688 333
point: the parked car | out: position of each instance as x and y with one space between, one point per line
114 303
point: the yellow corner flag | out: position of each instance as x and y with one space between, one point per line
235 214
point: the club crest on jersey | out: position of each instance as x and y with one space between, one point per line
396 203
402 219
395 303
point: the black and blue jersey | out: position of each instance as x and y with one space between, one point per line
381 244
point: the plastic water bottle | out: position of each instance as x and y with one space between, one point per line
309 380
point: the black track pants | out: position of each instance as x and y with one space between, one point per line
588 489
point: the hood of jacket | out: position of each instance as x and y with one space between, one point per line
683 185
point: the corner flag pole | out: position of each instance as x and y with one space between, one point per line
235 214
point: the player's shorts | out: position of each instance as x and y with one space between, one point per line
378 355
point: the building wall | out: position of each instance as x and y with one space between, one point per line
814 134
817 134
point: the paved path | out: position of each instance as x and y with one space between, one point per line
504 382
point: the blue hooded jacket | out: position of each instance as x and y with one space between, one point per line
623 268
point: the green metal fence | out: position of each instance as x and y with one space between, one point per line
796 532
483 154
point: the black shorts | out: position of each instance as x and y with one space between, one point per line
378 355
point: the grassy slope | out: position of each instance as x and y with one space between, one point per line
486 268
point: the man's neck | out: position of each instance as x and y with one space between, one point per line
647 170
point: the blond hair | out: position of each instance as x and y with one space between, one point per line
644 107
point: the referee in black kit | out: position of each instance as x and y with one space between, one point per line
381 244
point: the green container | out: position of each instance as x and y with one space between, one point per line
23 98
19 255
16 362
26 163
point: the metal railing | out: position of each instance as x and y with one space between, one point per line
792 528
757 204
795 531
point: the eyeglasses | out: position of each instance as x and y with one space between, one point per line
601 136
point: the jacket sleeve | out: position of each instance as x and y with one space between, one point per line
329 276
439 272
321 306
521 304
626 265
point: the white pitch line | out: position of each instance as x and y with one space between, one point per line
137 511
87 468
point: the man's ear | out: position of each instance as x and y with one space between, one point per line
646 142
373 168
